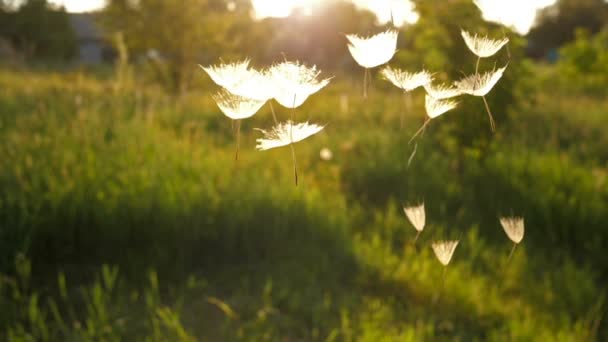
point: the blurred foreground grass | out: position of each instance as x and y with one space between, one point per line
123 216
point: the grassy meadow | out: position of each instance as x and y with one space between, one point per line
124 216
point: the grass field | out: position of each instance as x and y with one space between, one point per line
124 216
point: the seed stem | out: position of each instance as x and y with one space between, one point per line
238 134
511 253
492 123
274 116
420 130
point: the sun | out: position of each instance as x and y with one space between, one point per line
280 8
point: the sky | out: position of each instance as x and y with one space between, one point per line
515 13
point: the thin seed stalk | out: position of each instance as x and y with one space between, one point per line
274 116
492 123
238 135
365 84
511 253
420 130
293 150
417 235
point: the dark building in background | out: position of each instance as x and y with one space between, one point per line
92 48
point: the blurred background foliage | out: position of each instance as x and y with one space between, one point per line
123 215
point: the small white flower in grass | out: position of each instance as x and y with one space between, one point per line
441 91
444 250
480 84
514 227
370 52
407 81
483 47
435 108
228 75
295 82
286 133
237 107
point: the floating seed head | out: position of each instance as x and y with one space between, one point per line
370 52
483 46
295 82
441 91
406 81
281 134
514 227
236 107
434 107
444 250
480 84
416 216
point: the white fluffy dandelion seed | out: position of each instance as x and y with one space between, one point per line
514 228
417 217
407 81
480 85
435 108
287 133
295 82
483 47
228 75
370 52
444 250
257 85
441 91
237 107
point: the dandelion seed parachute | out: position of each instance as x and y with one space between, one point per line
435 108
295 82
483 47
370 52
513 227
406 81
444 250
228 75
480 84
237 107
286 133
441 91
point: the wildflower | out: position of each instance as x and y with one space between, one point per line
370 52
237 108
287 134
514 228
405 80
441 91
444 250
483 47
295 82
228 75
480 85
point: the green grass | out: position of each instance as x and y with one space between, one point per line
123 216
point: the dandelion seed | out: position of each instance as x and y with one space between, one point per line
480 85
237 108
417 217
406 81
434 108
514 228
370 52
295 82
444 250
229 75
257 85
285 134
483 47
441 91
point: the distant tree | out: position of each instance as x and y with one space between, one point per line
556 24
37 29
181 33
